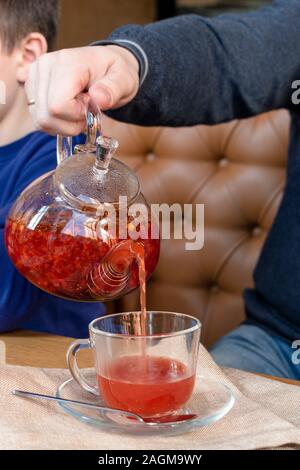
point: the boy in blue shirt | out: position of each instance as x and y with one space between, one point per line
27 30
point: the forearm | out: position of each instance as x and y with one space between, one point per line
214 70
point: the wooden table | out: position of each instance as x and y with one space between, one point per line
27 348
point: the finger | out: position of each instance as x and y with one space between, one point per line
30 83
43 78
30 88
111 90
37 90
66 97
71 109
56 126
56 113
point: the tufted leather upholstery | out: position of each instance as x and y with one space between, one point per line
237 170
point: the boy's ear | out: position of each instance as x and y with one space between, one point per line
29 50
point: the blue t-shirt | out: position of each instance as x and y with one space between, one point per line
23 305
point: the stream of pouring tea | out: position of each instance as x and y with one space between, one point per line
140 323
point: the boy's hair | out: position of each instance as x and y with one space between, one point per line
21 17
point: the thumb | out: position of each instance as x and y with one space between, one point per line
107 93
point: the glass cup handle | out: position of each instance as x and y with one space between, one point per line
75 347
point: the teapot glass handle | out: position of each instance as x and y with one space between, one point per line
93 130
63 148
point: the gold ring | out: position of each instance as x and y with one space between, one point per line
31 102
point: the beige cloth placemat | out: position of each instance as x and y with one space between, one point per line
266 415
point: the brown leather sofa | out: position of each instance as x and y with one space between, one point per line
237 170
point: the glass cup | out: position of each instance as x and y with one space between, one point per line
150 375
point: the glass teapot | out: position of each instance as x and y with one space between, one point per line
64 232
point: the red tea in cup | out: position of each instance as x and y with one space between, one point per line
146 385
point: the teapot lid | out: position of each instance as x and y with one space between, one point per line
90 179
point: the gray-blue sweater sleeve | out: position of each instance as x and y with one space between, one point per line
205 70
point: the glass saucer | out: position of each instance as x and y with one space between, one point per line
211 401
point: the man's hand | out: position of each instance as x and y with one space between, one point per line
63 83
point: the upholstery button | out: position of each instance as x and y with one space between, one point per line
214 289
223 162
256 231
150 157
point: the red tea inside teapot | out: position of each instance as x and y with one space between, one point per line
59 242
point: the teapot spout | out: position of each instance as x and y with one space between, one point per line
109 278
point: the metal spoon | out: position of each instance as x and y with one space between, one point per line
157 420
24 394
